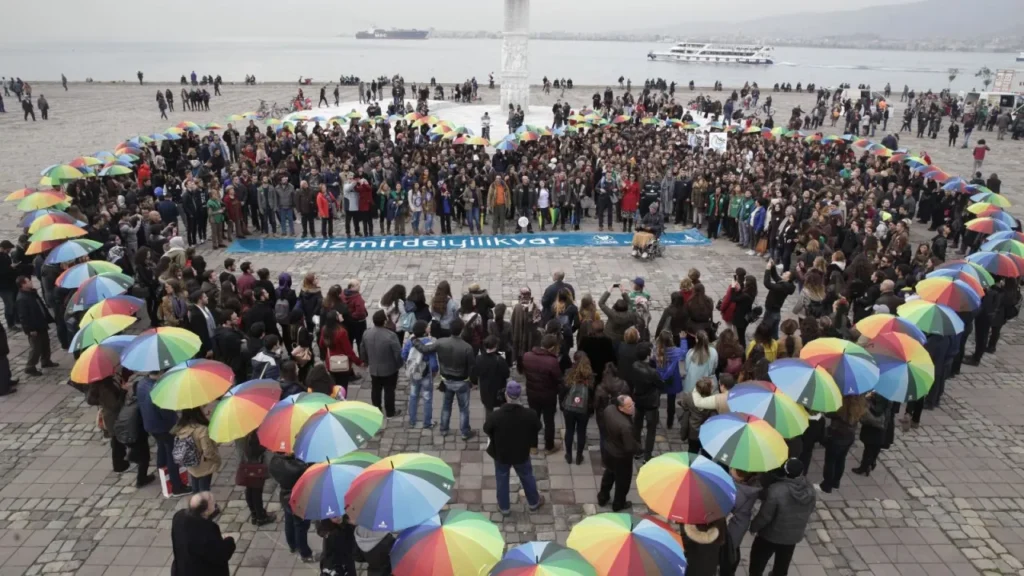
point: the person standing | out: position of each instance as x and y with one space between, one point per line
543 385
7 384
497 203
619 447
455 357
979 153
286 470
382 352
215 212
420 368
44 107
781 522
490 374
194 449
26 106
8 286
286 205
512 430
158 423
196 541
64 82
35 320
647 387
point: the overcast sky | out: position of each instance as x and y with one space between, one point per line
72 20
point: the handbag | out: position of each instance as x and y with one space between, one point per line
338 363
762 246
250 474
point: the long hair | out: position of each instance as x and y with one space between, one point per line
665 341
333 297
588 310
581 372
499 315
789 327
728 345
332 323
700 305
814 283
417 296
701 352
439 303
396 293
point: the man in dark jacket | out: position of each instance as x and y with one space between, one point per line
543 385
8 287
558 283
382 352
781 522
196 541
888 297
513 430
35 320
620 317
455 357
778 290
489 374
991 303
647 387
227 344
262 311
201 322
7 385
286 470
619 447
158 422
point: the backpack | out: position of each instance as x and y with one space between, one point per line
816 308
281 311
126 427
416 364
406 320
577 400
185 451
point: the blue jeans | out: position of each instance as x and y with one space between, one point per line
416 222
164 448
268 222
473 219
202 483
428 222
524 470
288 221
772 319
460 390
422 388
296 532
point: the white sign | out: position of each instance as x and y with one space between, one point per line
718 141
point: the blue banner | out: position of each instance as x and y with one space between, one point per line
540 240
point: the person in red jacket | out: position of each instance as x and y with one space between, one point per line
325 202
630 203
543 385
365 206
143 175
334 342
355 320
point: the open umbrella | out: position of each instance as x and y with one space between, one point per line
337 430
619 544
74 277
278 430
57 232
964 277
38 219
958 295
997 263
453 543
1008 246
99 287
810 386
72 250
1009 235
101 360
686 488
542 559
853 369
43 200
242 409
907 371
123 304
191 384
931 318
991 198
159 349
320 492
19 194
99 330
877 324
743 442
115 170
40 247
399 492
987 225
62 173
968 267
771 404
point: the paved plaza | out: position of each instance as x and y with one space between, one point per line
946 499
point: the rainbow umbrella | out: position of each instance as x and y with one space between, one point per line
979 189
752 129
62 173
621 119
999 215
853 369
476 141
212 126
19 194
686 488
320 492
907 371
985 225
124 304
650 120
1011 235
877 324
191 384
115 170
997 263
452 543
967 267
74 277
100 360
85 161
931 318
99 330
42 200
159 349
40 247
57 232
171 136
956 183
619 544
399 492
158 137
528 137
810 386
337 430
543 559
769 403
964 277
992 198
98 288
743 442
982 207
958 295
38 219
72 250
242 409
507 145
187 125
1009 246
278 430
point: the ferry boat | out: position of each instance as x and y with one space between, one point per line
392 34
716 53
1020 57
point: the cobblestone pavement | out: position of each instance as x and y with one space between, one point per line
947 498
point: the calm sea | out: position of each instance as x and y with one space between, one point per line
587 63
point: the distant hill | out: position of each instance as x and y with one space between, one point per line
953 19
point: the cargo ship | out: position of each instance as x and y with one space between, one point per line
392 34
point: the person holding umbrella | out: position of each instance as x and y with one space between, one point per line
781 522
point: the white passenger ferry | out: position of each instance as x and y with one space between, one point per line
716 53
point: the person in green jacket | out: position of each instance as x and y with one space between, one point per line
718 208
215 212
746 228
732 221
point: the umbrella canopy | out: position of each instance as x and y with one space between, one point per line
98 288
278 430
992 198
810 386
686 488
964 277
337 430
399 492
159 349
452 543
100 360
618 544
19 194
968 267
769 403
907 371
126 305
958 295
1008 246
38 219
191 384
983 208
987 225
99 330
62 173
998 263
543 559
931 318
57 232
242 409
743 442
40 247
1010 235
853 369
876 324
74 277
72 250
320 492
43 200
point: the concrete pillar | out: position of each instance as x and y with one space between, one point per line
515 80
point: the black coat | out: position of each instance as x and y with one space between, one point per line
339 550
513 431
227 348
33 315
490 372
600 351
287 470
199 549
260 312
197 325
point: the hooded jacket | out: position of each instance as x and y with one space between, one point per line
787 507
618 322
647 385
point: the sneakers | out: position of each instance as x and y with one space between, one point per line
183 491
467 437
540 503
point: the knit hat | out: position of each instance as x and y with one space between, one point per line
639 283
513 390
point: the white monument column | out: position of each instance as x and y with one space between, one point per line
515 81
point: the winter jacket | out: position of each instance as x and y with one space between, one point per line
198 547
875 422
543 375
155 420
742 511
285 196
512 430
209 455
618 322
787 507
647 385
382 351
619 441
286 470
703 548
305 201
